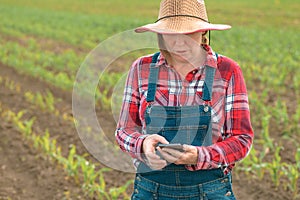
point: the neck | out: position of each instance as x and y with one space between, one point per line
183 67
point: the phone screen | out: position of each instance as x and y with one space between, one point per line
172 146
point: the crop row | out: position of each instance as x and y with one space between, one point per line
47 102
86 30
258 162
76 166
44 102
281 173
37 63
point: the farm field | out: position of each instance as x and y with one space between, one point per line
44 43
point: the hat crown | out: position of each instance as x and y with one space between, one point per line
183 7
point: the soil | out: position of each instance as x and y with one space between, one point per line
26 174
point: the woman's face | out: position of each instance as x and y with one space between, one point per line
183 47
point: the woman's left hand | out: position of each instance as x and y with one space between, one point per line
189 155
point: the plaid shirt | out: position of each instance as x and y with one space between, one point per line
231 126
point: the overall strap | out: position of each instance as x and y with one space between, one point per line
208 82
152 79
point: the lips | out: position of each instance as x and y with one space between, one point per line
180 52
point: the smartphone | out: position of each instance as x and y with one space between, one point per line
176 146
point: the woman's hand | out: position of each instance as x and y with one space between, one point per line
152 159
189 155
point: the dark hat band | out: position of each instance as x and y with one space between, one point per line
169 16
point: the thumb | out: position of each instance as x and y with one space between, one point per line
161 139
187 147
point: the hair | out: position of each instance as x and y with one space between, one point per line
205 39
162 47
166 53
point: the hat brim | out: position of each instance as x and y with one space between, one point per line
181 26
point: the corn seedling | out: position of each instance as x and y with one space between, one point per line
45 102
275 167
293 175
297 158
254 163
28 127
72 164
11 85
266 141
282 117
115 193
93 181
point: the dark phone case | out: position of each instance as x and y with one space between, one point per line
172 146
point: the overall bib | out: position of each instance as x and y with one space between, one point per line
185 125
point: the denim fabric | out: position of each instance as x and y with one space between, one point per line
177 175
218 189
185 125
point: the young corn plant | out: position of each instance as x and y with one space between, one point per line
282 117
115 193
297 158
49 146
11 85
266 140
254 163
72 164
275 167
88 170
296 121
46 102
50 101
293 175
93 181
98 189
23 127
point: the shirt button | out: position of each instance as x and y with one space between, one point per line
206 109
228 193
225 180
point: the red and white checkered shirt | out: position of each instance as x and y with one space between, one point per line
231 126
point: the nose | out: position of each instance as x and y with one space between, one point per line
179 40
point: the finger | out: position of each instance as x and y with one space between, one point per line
168 157
157 163
157 167
153 156
160 139
173 152
188 148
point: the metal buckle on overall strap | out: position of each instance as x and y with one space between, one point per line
149 106
207 104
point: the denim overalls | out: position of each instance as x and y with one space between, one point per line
185 125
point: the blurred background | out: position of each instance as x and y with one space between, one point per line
44 43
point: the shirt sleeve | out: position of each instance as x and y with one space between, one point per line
238 131
128 133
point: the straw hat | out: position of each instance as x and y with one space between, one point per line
181 16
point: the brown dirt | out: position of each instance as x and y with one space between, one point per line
26 175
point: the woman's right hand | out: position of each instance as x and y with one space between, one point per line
149 147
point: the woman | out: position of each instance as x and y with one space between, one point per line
186 94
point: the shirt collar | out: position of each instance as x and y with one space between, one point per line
211 59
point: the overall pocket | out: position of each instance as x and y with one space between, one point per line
221 190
